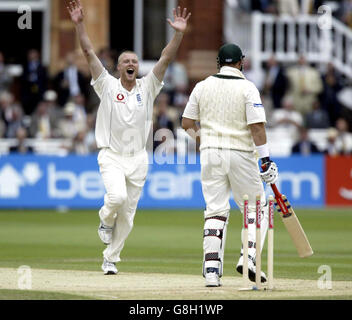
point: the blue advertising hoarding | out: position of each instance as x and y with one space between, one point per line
75 182
302 180
50 182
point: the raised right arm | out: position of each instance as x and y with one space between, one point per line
77 16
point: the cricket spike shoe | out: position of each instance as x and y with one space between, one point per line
251 269
105 233
109 267
212 278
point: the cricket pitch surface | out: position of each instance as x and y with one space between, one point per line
153 286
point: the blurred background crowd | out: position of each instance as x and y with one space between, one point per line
341 9
298 96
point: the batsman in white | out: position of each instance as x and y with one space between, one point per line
232 129
123 124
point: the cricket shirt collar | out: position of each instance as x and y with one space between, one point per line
229 71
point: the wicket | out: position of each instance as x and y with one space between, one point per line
258 240
270 252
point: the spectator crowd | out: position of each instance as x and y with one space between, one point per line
340 9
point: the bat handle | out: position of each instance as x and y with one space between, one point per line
273 186
278 196
275 190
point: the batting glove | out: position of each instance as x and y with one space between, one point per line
270 172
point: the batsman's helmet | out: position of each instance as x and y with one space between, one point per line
229 53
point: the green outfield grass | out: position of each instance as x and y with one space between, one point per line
38 295
167 242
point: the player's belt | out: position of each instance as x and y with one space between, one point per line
230 149
132 153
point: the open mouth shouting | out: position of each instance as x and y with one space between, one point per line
130 71
128 67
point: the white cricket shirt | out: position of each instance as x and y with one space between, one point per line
124 117
225 107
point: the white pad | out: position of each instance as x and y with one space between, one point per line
214 243
252 230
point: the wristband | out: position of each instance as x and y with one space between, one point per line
263 151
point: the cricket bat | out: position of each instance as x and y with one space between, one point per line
292 224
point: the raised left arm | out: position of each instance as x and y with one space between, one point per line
169 53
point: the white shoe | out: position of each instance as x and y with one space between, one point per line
109 267
212 277
251 269
105 233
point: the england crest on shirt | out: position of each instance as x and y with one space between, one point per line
139 100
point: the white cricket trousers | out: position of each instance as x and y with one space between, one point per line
223 171
123 178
